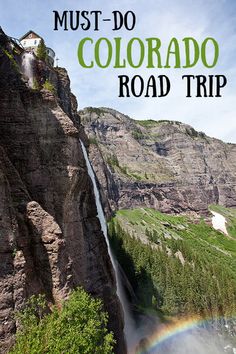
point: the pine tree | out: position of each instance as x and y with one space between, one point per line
42 50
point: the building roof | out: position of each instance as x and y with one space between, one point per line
30 31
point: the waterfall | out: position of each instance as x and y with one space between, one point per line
129 328
196 341
27 67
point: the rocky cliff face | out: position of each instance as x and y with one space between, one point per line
163 165
50 237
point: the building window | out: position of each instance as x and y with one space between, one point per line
35 42
24 42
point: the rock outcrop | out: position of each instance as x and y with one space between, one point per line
50 237
164 165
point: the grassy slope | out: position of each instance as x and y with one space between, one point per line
179 266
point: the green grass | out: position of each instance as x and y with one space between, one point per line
146 243
137 134
113 162
196 236
147 123
96 110
11 57
93 140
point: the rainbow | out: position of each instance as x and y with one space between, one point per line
169 330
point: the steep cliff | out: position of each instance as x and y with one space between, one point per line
51 240
158 164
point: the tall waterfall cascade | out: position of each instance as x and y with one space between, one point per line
129 329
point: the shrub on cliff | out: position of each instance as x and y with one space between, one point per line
79 327
49 86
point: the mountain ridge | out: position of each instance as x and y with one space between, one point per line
147 122
165 165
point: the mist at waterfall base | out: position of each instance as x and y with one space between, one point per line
185 336
149 335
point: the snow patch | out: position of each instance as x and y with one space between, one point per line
219 222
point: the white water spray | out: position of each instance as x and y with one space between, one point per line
129 329
27 67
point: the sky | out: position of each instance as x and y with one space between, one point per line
163 19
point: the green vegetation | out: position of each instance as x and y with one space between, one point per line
36 85
113 162
175 265
42 51
14 252
98 111
49 86
13 62
136 176
147 123
169 121
93 141
195 134
46 86
79 327
124 170
137 134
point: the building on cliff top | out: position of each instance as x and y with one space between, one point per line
30 42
